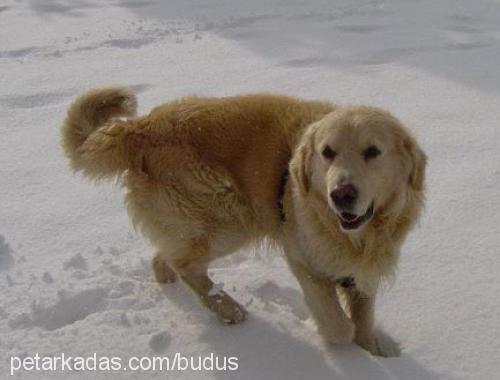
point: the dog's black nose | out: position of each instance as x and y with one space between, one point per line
344 195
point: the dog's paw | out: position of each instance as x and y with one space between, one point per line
386 346
380 345
231 314
226 308
370 345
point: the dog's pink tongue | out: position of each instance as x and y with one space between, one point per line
348 217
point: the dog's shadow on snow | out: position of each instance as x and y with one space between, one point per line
265 351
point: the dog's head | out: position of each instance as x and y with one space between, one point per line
359 161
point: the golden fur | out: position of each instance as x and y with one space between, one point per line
203 179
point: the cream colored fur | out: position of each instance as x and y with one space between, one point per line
203 178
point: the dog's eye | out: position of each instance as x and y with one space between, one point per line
371 152
328 153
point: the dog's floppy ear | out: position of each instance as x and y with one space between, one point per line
418 161
300 165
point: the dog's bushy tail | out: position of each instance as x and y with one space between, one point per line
93 135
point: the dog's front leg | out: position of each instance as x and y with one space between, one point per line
321 297
361 307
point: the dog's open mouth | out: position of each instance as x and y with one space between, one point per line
350 221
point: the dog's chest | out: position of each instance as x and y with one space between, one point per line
331 260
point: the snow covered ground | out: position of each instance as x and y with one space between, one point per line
77 279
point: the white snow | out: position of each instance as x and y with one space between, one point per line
77 279
216 289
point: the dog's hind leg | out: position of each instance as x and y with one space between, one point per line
192 266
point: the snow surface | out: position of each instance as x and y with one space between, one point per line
77 279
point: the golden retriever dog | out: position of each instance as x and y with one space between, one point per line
337 187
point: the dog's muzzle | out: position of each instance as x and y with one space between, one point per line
350 221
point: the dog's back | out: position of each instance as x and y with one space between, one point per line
220 160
